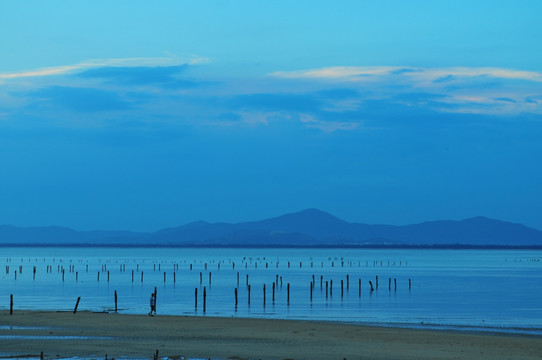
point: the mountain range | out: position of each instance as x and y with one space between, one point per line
307 228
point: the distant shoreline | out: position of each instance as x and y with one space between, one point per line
281 246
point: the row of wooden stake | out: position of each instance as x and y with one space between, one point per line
329 292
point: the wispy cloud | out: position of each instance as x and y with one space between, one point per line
165 90
337 72
353 73
164 76
480 90
90 64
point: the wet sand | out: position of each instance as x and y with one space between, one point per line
85 334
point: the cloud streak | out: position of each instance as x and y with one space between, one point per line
164 76
336 98
480 90
357 73
91 64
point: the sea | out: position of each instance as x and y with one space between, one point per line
464 290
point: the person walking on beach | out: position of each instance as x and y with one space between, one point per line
153 304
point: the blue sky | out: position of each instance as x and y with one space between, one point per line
140 115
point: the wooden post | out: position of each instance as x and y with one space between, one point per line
155 355
77 276
238 278
155 299
347 282
247 279
98 276
107 275
164 277
200 277
76 304
331 288
377 282
142 276
132 275
209 278
249 295
389 284
236 298
371 283
174 278
321 279
263 295
11 304
395 284
359 287
204 299
327 289
311 284
409 284
273 298
288 292
116 301
342 289
196 298
41 356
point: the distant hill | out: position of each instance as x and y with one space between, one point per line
307 228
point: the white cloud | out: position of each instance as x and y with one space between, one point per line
337 72
125 62
483 90
353 73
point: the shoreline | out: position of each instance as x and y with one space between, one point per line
90 334
275 246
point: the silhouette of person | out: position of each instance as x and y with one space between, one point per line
153 304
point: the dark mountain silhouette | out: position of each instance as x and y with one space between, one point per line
63 235
309 227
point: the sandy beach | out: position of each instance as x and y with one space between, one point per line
86 334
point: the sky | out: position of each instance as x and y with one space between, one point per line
140 115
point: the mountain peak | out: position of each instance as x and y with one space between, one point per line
312 212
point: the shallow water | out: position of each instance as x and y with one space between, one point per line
495 290
52 337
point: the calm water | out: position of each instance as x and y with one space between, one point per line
493 290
